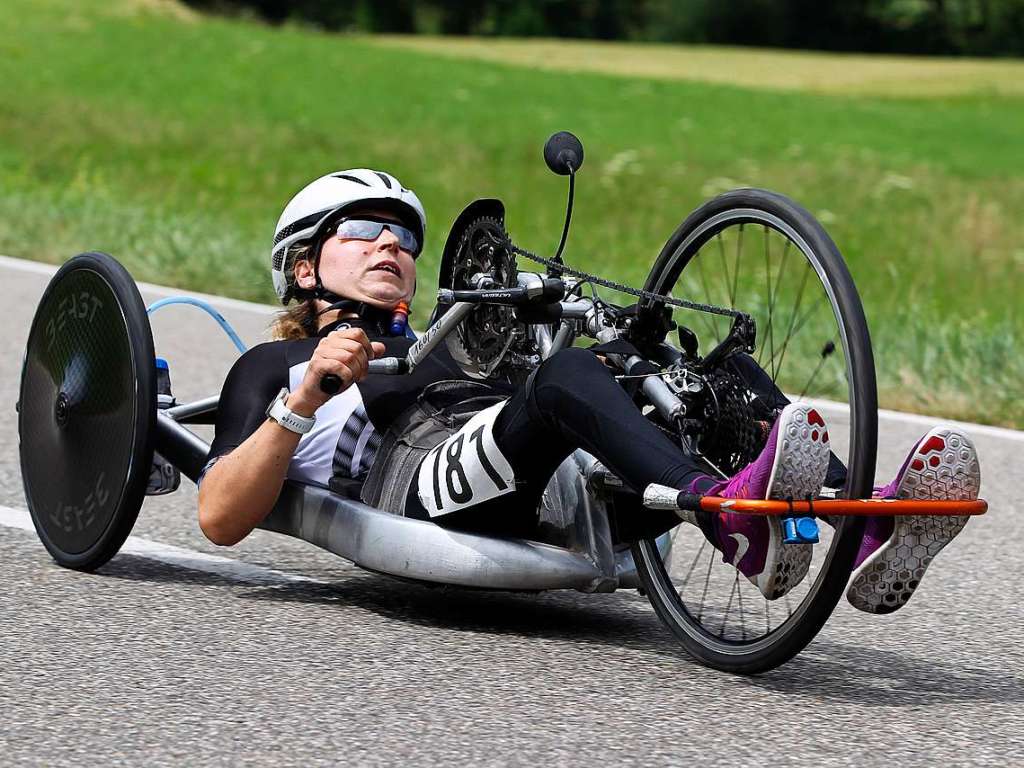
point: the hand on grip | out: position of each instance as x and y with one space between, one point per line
331 384
393 366
340 360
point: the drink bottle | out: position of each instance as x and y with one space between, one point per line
164 477
400 319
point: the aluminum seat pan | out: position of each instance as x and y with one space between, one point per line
421 550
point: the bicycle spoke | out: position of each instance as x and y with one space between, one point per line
739 600
707 293
736 269
707 320
725 266
768 279
774 296
805 317
789 332
707 583
829 389
692 566
795 329
824 356
728 606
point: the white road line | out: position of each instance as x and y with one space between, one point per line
925 421
48 270
225 567
40 268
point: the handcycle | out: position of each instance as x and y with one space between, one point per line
778 319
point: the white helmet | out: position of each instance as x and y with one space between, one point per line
327 196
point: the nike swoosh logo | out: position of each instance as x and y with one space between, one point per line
742 545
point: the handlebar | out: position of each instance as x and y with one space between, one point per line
393 366
544 291
539 295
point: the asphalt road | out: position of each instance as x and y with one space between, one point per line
273 652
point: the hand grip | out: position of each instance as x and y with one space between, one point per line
331 383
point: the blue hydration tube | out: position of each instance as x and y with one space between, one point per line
224 324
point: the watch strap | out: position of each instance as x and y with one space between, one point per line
279 412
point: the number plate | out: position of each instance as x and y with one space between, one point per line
466 469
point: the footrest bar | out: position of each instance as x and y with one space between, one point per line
662 497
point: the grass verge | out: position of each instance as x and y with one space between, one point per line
173 141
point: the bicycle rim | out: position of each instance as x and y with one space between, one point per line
762 254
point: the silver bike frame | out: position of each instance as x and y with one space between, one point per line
576 550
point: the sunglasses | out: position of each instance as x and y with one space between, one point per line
368 229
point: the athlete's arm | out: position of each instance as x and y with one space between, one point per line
240 488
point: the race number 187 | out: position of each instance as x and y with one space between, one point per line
467 468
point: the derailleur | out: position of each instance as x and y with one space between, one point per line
742 337
723 420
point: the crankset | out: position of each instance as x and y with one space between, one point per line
489 341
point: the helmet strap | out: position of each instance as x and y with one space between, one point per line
382 318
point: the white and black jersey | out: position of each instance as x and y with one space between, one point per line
348 427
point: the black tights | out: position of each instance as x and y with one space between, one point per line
575 402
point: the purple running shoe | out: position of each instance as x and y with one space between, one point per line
896 551
791 465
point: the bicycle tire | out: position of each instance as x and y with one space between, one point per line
777 212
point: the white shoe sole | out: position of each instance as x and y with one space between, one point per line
944 467
801 461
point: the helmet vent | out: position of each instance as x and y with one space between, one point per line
303 223
284 233
346 177
385 179
277 261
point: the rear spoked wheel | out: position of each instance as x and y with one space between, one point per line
87 411
761 253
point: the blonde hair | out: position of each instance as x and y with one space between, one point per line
295 322
298 321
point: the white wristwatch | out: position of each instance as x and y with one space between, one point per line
279 412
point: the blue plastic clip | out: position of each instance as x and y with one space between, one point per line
799 530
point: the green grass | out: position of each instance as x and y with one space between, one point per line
173 142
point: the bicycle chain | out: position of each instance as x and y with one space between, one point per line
638 292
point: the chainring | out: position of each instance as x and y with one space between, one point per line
481 343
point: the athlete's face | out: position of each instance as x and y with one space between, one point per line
377 272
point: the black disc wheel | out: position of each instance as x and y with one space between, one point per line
87 411
761 253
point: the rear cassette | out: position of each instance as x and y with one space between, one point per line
87 411
733 431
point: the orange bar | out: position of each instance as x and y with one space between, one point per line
865 507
